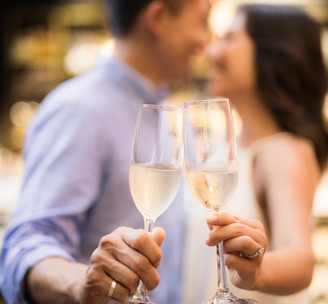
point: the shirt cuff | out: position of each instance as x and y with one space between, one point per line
13 291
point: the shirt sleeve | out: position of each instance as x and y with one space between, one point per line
63 159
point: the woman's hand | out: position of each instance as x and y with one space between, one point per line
242 238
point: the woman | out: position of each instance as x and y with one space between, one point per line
271 66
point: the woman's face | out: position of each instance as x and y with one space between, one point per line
233 58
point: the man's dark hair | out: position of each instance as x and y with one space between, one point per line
123 14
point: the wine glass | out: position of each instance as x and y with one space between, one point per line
155 168
212 168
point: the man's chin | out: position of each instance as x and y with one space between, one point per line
178 75
216 89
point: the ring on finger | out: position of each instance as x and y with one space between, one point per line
259 251
111 288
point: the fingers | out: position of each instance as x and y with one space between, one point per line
126 256
158 235
241 236
145 244
226 227
243 272
243 245
221 219
147 255
99 287
102 270
224 218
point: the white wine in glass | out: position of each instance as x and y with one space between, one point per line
212 187
155 168
153 187
212 168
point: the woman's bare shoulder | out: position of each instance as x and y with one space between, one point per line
286 154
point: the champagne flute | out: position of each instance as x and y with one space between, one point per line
212 168
155 168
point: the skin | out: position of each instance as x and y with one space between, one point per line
125 255
159 47
162 44
285 192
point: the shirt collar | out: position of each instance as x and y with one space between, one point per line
129 78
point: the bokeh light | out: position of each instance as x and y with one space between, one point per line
20 114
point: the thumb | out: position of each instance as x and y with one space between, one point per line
158 235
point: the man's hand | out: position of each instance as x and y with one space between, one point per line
126 256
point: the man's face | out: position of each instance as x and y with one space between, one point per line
185 35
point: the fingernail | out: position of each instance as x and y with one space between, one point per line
211 217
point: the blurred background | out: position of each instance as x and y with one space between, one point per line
43 43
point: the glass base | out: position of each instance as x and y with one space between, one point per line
141 301
224 297
140 298
231 301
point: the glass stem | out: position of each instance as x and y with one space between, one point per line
142 290
222 276
149 224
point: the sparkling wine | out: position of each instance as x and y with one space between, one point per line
212 187
153 187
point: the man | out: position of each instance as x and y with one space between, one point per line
63 244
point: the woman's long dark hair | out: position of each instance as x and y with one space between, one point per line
291 74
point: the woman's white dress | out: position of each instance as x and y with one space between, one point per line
200 275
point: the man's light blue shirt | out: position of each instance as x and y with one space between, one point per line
75 189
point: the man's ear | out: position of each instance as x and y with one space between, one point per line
156 17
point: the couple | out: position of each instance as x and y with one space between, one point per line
75 230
